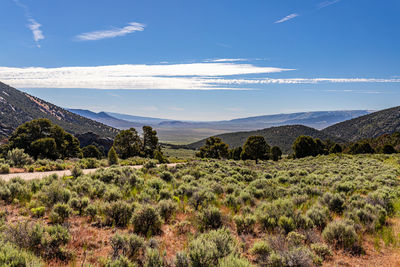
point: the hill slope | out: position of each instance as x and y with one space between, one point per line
17 107
282 136
386 121
106 119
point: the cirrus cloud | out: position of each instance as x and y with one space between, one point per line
288 17
115 32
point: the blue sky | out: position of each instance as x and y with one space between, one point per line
203 60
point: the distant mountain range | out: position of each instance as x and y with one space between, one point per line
180 132
368 126
17 107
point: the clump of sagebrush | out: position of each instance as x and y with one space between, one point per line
118 213
146 220
44 241
128 245
342 235
208 248
210 218
17 158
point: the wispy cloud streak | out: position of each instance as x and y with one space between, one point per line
327 3
116 32
288 17
33 25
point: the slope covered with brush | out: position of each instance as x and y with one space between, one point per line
17 107
386 121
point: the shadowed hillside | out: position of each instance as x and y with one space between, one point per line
386 121
282 136
18 107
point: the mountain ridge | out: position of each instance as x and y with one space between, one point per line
18 107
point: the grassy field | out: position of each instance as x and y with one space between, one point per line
328 210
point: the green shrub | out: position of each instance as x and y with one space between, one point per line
244 223
342 235
146 220
268 213
47 242
153 258
234 261
319 215
208 248
17 158
11 255
4 168
335 202
118 213
60 213
120 262
261 251
166 176
79 204
295 238
38 212
76 171
276 260
130 246
182 259
167 209
54 193
287 224
322 250
210 218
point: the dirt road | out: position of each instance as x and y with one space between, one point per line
40 175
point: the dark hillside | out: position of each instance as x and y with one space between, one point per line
386 121
17 107
282 136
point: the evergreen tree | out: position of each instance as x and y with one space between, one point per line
42 138
305 146
112 157
91 151
150 141
256 148
235 153
336 148
276 153
388 149
213 148
128 144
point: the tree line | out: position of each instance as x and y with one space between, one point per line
40 138
256 148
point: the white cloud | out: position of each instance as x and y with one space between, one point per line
226 60
173 76
34 26
288 17
327 3
301 81
193 76
116 32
